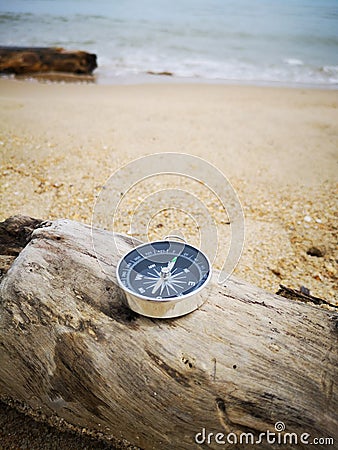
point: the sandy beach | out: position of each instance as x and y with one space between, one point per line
277 146
59 143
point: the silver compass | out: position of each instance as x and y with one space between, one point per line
164 278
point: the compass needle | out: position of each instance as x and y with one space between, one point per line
157 285
172 263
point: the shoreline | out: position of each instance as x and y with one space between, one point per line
162 79
173 79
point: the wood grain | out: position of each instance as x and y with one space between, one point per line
245 360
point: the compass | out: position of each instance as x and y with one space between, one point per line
164 278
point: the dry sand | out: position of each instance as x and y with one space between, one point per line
277 146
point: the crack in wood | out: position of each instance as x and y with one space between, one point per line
172 373
246 300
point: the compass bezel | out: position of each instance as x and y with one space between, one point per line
172 299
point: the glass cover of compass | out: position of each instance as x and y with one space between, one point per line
164 271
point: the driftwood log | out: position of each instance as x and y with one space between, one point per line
42 60
70 348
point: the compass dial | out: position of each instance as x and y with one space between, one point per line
163 270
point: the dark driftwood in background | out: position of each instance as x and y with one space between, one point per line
42 60
245 360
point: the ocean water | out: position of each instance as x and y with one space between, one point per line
289 42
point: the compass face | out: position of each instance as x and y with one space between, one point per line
163 270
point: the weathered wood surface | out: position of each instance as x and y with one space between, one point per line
40 60
245 360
